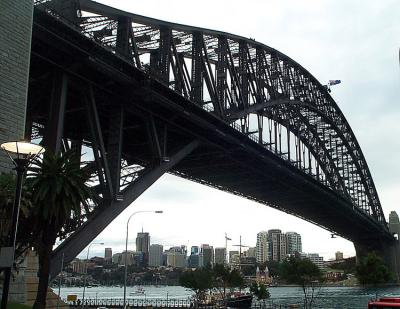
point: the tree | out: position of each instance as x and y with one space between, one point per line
260 291
7 195
225 278
373 270
199 280
304 273
59 196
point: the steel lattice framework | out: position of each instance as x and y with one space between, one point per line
255 89
258 90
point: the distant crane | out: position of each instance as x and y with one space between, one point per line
240 250
226 249
240 246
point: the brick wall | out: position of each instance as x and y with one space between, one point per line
15 46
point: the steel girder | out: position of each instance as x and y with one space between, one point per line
246 84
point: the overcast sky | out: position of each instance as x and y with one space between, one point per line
354 41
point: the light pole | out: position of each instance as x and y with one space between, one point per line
84 280
59 281
126 247
21 154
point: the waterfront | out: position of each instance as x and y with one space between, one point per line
328 297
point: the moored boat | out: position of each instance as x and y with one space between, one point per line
385 303
239 300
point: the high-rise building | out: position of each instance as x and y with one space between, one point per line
143 245
394 224
116 258
108 255
176 257
194 261
156 255
206 255
129 255
293 243
220 255
194 258
194 250
338 256
262 247
251 252
233 256
315 258
277 245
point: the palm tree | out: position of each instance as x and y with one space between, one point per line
59 196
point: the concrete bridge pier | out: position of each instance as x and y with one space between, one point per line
389 251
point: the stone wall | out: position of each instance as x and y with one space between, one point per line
15 47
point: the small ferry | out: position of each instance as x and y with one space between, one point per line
385 303
138 291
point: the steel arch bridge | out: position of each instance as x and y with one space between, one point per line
209 106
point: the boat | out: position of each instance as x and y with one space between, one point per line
239 300
385 302
138 291
231 300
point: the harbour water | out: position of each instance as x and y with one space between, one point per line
327 297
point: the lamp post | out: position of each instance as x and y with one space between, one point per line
84 280
126 247
21 153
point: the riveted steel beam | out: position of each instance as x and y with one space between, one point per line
104 214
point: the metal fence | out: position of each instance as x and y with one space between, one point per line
91 303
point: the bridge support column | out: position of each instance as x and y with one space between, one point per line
389 251
15 49
106 212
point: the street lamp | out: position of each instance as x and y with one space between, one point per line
21 154
87 258
126 247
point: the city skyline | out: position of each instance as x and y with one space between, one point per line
361 51
105 250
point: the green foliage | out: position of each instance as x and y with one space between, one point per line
260 291
58 192
273 267
348 266
373 270
59 197
7 195
223 277
13 305
199 280
300 271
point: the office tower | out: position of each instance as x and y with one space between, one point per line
233 254
293 243
194 250
156 255
338 255
274 244
194 258
130 260
116 258
108 255
262 247
176 257
207 255
194 261
282 247
394 224
315 258
251 252
220 255
143 245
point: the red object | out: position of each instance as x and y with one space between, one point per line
385 303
